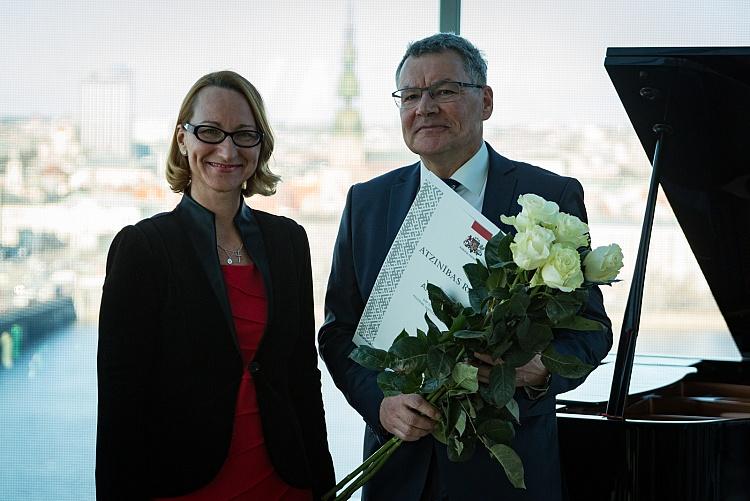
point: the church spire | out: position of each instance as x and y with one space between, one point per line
348 121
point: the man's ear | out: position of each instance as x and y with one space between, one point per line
487 102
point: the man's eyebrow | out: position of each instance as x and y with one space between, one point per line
436 82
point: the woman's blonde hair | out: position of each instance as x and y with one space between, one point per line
263 181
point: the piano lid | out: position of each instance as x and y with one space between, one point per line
703 94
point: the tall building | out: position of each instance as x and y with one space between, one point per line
348 121
347 148
13 182
106 114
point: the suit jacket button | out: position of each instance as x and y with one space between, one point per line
254 367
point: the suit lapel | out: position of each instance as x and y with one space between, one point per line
255 244
499 195
401 197
198 224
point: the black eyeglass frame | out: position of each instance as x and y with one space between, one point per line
194 129
396 95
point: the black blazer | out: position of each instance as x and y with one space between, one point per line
373 215
169 365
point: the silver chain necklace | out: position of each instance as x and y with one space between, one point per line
231 254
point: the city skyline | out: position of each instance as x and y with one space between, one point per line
545 58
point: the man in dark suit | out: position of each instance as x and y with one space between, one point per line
444 99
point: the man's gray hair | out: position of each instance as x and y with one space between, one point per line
474 63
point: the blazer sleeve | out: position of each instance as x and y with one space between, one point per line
343 308
128 315
306 392
590 347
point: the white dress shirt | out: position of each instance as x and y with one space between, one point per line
473 177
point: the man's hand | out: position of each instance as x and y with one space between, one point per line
534 373
409 417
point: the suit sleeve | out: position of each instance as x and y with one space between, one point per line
306 392
128 315
343 309
590 347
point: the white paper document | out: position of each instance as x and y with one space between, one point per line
440 234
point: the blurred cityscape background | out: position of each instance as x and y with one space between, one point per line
88 102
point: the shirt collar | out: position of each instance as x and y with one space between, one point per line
473 174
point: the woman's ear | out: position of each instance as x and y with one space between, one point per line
181 141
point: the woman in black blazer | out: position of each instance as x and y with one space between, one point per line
208 378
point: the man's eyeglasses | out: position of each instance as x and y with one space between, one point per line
213 135
442 92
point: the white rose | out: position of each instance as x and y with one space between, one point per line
521 222
538 210
562 270
530 248
571 230
602 264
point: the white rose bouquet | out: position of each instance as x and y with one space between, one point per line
532 283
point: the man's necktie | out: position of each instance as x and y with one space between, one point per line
452 183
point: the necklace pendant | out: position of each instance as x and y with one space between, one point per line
236 253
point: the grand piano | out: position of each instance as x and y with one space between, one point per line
689 440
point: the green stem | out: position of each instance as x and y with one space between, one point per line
369 473
435 395
373 463
490 309
364 466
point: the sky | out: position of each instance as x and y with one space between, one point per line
545 57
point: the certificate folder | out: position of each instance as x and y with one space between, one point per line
440 234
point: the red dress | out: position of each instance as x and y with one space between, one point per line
247 473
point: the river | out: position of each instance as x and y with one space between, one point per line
48 421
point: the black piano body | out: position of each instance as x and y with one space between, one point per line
689 440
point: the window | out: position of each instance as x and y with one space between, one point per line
84 129
89 98
556 107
